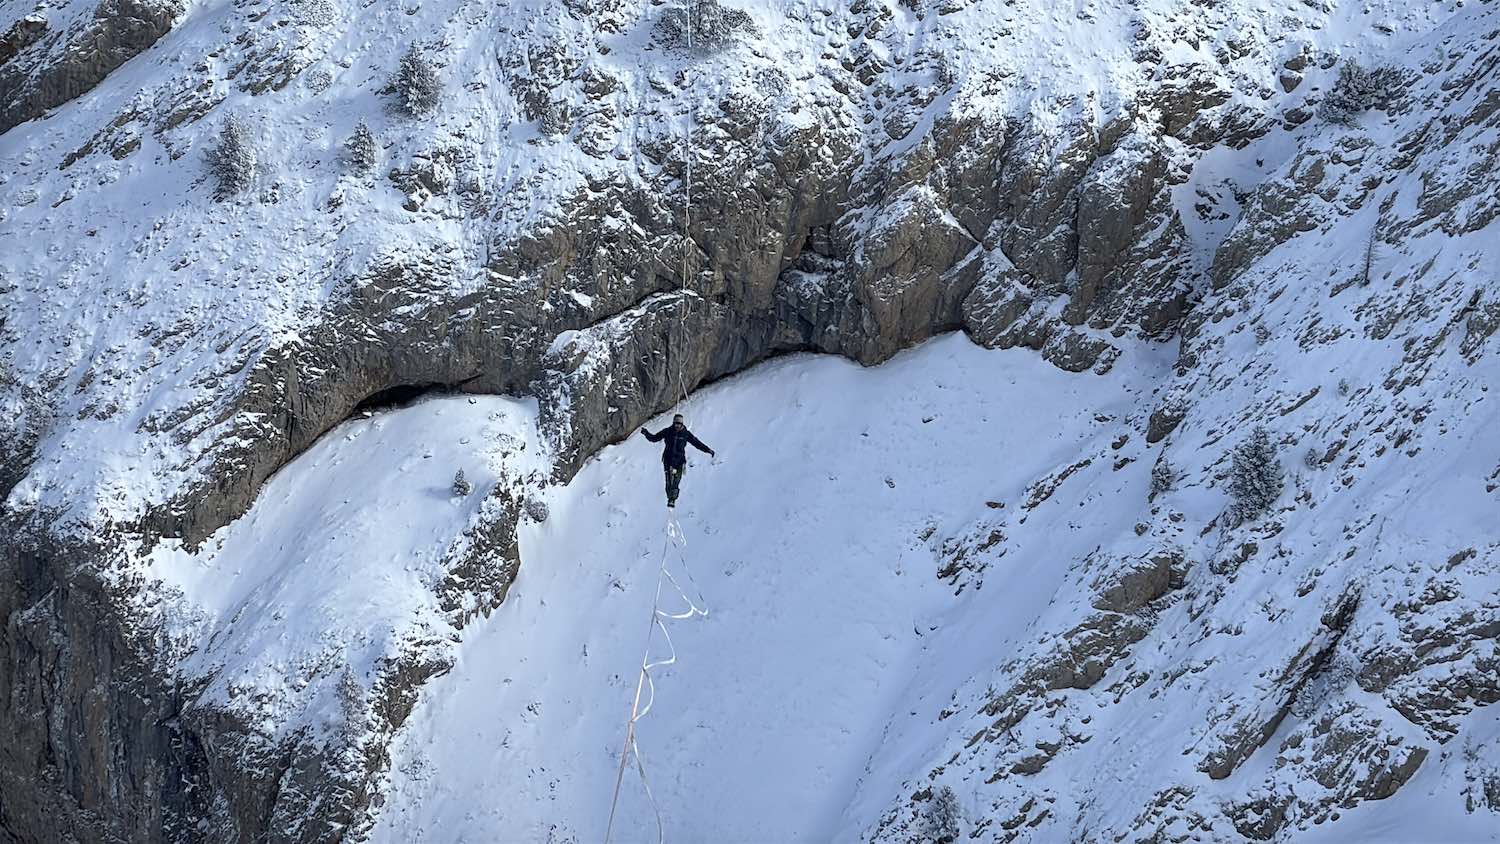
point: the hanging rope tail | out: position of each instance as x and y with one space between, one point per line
645 686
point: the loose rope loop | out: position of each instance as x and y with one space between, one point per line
645 687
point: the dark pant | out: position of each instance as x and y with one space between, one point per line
674 479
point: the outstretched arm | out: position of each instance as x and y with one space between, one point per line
698 444
656 437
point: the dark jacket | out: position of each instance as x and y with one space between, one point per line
674 453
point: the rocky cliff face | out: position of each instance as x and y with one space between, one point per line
863 176
54 54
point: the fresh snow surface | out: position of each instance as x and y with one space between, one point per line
338 562
812 538
821 681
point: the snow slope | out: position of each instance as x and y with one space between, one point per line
835 663
813 538
341 562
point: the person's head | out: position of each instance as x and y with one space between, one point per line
677 421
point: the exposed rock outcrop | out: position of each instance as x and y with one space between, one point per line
855 191
89 706
45 63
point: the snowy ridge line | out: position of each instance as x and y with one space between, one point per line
644 682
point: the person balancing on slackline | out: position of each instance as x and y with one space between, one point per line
675 441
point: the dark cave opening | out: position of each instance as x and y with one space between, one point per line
401 395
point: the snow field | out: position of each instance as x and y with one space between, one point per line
806 538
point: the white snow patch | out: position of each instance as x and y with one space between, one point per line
338 561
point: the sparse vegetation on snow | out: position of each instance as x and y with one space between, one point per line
418 87
233 158
361 148
1256 478
1163 478
942 818
1357 90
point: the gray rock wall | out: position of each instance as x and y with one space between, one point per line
790 249
43 66
94 747
1054 234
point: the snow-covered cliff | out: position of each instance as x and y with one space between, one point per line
232 573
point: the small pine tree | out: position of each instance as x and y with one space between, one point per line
361 148
941 822
536 510
1255 476
232 159
351 698
1163 478
1357 90
417 85
1312 459
556 118
461 485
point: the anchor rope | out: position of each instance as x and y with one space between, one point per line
687 194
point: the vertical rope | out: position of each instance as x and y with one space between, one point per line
687 193
645 686
635 714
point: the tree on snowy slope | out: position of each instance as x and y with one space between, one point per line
232 159
417 85
361 148
1255 476
1163 478
940 823
1357 90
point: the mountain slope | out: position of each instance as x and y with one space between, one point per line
814 539
1106 183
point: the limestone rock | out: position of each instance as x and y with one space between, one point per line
1348 752
999 301
41 69
1139 582
1246 725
